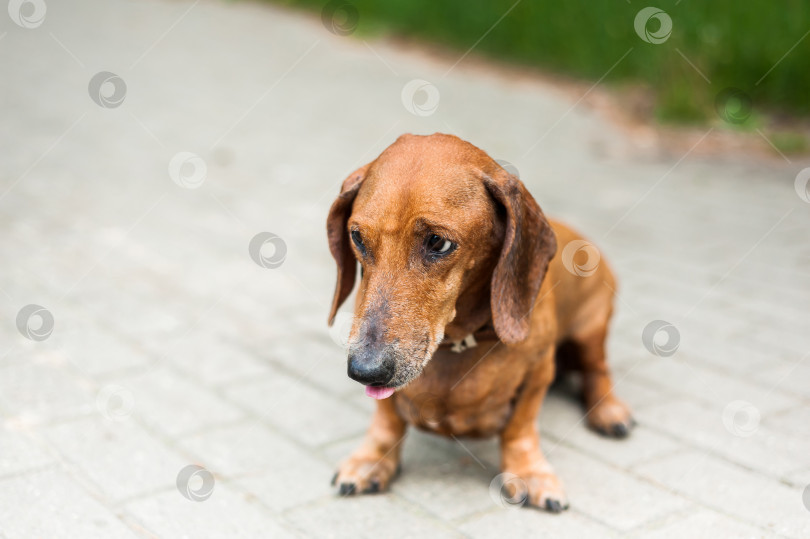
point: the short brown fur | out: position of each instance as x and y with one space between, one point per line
504 273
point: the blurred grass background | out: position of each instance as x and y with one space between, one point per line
734 43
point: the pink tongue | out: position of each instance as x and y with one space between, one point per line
379 393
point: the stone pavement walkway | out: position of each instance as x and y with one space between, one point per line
148 355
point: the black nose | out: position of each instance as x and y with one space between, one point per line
371 369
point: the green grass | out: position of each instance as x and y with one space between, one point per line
734 43
790 142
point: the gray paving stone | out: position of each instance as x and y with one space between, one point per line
119 457
175 405
226 513
731 489
754 445
39 387
611 496
562 424
369 516
91 349
274 398
686 376
703 524
214 359
247 449
520 522
47 503
315 357
20 453
293 484
792 375
799 478
439 472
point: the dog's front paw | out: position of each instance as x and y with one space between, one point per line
540 489
365 474
611 417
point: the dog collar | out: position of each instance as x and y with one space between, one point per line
485 333
465 343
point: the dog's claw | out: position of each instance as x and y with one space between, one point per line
554 506
620 430
366 474
611 417
334 479
373 488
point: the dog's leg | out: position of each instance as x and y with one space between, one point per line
605 413
373 465
520 445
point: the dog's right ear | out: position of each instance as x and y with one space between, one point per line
339 238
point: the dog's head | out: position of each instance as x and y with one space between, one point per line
440 230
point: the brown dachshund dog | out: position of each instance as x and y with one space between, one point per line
460 309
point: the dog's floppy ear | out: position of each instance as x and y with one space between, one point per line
339 238
529 244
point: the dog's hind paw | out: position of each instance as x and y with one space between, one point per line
612 418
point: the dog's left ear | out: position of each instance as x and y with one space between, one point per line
529 244
339 238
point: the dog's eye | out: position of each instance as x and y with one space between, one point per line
438 246
358 241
